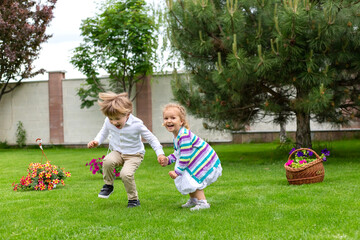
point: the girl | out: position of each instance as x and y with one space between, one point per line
196 163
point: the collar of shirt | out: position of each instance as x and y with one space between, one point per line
130 120
176 139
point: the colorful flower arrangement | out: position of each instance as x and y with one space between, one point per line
42 177
304 157
96 166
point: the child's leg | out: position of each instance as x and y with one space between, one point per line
191 202
199 194
110 161
131 164
201 203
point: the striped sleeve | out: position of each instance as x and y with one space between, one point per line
186 150
172 158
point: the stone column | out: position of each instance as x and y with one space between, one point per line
56 117
144 102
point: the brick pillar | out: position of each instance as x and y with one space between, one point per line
56 107
144 102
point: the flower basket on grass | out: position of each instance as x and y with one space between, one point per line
42 176
306 166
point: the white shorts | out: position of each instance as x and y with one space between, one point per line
186 184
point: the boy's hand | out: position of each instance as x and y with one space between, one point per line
163 161
173 174
92 144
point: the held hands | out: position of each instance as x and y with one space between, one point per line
92 144
173 174
163 161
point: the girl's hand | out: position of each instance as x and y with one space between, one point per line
92 144
173 174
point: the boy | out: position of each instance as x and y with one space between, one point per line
124 131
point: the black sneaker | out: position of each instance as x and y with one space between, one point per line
133 203
106 191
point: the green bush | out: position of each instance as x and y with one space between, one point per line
20 135
4 145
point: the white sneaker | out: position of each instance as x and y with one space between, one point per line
201 204
190 203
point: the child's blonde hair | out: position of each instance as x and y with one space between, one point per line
182 113
113 105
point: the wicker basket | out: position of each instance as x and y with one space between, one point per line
310 173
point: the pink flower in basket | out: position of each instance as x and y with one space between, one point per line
289 162
303 157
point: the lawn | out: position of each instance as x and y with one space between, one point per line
252 200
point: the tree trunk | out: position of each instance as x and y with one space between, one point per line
303 132
282 133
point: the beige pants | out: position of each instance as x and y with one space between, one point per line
130 163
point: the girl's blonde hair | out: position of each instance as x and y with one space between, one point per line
182 113
113 105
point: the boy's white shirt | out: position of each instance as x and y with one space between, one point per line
127 140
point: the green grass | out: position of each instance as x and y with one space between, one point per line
252 200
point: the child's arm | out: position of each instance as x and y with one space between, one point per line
173 174
101 136
163 161
172 158
92 144
152 140
185 144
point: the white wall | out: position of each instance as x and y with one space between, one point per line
29 104
267 125
161 95
80 125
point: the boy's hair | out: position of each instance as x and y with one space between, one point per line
113 105
182 112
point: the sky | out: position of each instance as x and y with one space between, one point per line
56 53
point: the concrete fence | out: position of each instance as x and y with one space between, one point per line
50 109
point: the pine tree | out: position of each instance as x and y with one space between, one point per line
286 59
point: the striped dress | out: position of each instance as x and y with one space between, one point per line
194 156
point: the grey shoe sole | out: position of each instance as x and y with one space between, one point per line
104 196
188 206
